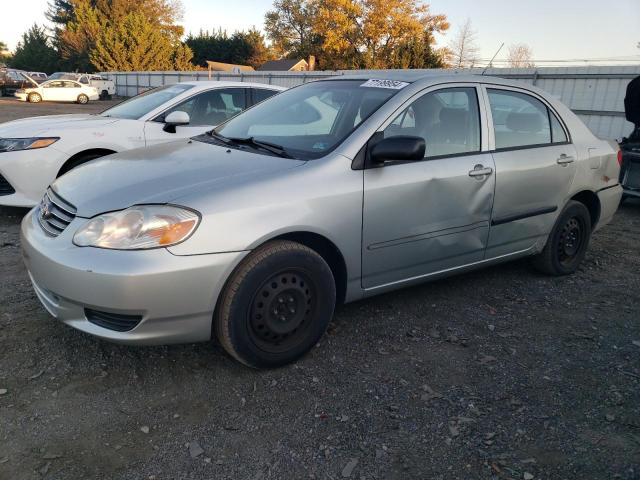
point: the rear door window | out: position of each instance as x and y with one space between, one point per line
519 120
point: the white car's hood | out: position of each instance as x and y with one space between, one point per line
34 126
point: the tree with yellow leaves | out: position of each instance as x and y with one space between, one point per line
346 34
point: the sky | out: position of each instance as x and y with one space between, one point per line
554 29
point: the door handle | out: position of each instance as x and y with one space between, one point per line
480 171
565 159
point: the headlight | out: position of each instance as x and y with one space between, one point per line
13 144
140 227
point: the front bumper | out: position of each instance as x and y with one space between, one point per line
174 295
21 96
29 172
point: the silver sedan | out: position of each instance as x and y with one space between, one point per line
330 192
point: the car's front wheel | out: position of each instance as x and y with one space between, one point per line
567 244
82 99
276 305
34 98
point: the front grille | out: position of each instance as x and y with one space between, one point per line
5 187
112 321
54 213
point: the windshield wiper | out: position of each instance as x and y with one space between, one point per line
271 147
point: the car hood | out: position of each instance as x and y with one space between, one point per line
34 126
160 174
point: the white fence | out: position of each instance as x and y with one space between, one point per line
595 94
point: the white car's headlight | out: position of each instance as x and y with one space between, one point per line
139 227
14 144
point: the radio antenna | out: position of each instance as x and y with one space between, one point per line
492 58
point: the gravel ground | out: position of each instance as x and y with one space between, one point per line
501 373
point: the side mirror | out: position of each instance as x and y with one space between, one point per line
175 119
398 148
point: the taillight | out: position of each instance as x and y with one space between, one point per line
620 157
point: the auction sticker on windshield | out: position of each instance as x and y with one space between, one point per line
393 84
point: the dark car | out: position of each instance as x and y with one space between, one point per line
630 146
12 80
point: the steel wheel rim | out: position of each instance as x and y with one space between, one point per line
282 311
571 240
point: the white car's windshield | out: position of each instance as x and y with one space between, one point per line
308 121
140 105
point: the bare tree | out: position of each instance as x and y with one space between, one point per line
520 56
463 47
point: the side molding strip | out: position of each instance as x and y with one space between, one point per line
520 216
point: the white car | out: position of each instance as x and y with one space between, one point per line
58 91
105 87
35 151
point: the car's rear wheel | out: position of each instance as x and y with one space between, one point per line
104 95
82 99
567 244
276 305
34 98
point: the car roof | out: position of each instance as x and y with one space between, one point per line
425 77
203 84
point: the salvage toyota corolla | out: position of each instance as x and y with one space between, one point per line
329 192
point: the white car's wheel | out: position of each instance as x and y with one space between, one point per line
82 99
34 98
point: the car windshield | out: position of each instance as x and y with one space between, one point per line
140 105
308 121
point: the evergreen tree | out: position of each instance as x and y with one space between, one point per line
134 43
34 52
181 58
244 48
80 23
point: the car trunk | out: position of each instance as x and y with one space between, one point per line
630 172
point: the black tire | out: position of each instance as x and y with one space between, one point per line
276 305
34 98
83 99
104 95
568 242
76 162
